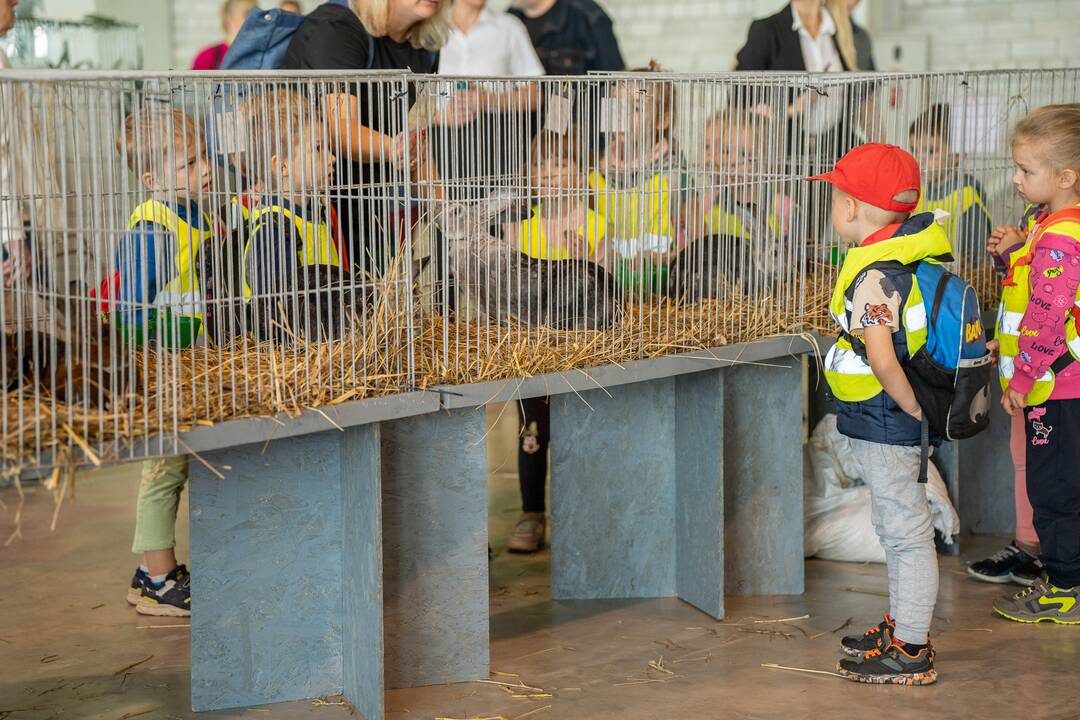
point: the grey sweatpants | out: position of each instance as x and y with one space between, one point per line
901 516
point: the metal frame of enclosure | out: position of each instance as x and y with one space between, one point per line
313 283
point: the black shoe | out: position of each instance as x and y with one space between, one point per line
1028 573
893 665
138 582
172 598
998 568
875 638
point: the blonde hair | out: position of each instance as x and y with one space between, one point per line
233 6
1056 130
430 34
845 34
149 134
275 123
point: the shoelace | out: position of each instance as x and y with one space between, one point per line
877 628
1004 553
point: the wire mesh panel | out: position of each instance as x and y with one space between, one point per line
184 249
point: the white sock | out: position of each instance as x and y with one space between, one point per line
144 569
158 579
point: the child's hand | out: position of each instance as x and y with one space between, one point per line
1013 401
1002 238
995 350
16 264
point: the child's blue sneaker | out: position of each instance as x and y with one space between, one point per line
172 598
138 581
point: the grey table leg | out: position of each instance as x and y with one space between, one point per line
285 565
680 487
435 545
763 479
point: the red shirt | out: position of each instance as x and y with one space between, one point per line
210 58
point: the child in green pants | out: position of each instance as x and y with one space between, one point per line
160 586
154 297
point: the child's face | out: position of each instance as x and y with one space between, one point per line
935 157
189 178
639 119
730 148
310 168
1035 179
555 176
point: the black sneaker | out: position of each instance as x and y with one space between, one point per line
998 568
1028 573
875 638
138 582
893 665
172 598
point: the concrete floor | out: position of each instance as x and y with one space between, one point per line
70 647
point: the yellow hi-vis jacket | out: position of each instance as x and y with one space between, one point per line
1015 296
849 374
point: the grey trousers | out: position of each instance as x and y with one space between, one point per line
901 516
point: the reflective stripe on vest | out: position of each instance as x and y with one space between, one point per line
635 212
850 377
533 241
180 294
316 245
955 204
1015 296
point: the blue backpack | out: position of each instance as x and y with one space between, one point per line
265 36
952 372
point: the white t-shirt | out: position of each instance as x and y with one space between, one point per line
820 53
821 56
497 44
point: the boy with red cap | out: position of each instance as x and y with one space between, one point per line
878 305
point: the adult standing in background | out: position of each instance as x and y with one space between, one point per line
811 35
488 124
485 42
365 116
864 44
233 15
572 37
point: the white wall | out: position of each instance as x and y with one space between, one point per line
704 35
697 35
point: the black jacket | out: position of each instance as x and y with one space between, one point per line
771 44
574 37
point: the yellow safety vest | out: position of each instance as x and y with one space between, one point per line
180 294
533 240
316 245
955 204
721 221
635 212
849 375
1015 296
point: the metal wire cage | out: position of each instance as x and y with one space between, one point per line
188 248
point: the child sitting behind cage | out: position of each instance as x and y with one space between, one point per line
158 299
944 187
292 260
639 178
740 199
876 303
562 225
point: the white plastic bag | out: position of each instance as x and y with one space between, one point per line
837 505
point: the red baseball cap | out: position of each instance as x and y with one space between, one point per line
875 173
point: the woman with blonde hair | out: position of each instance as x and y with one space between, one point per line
233 15
364 117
